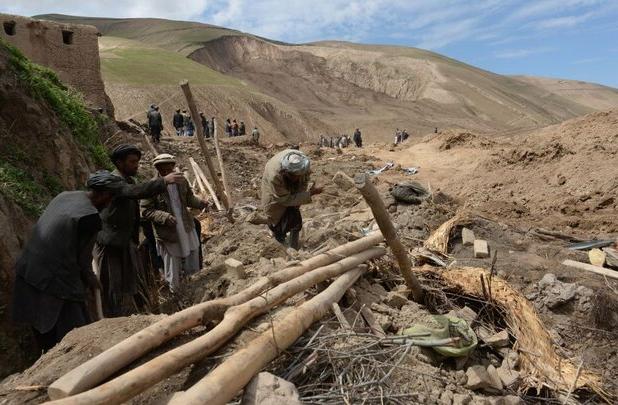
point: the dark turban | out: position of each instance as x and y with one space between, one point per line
104 181
122 151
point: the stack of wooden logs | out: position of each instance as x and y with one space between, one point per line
86 383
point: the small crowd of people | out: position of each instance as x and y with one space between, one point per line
184 125
401 136
341 141
87 242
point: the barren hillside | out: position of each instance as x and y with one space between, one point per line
334 87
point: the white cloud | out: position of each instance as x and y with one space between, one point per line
563 22
520 53
187 9
431 24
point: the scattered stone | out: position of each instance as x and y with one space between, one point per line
343 181
403 290
506 400
268 389
235 268
481 249
462 399
597 257
508 376
446 398
467 237
478 378
500 339
495 382
395 300
555 293
510 358
611 257
383 320
465 313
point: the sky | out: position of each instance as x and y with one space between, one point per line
570 39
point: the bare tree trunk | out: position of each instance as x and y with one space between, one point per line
127 385
223 383
200 138
228 190
200 173
101 367
371 195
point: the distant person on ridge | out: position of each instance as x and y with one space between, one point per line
186 117
205 126
54 272
155 123
255 136
179 123
284 190
358 138
189 126
234 128
228 128
241 129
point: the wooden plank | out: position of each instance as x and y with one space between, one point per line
201 174
340 317
226 186
593 269
184 85
370 318
374 201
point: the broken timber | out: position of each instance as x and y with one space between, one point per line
373 199
223 383
200 138
137 380
199 173
104 365
591 268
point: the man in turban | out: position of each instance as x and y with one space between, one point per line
284 189
115 252
54 270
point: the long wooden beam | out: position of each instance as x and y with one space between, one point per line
126 386
223 383
200 138
373 199
102 366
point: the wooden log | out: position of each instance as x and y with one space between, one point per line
126 386
200 138
223 383
198 170
345 325
226 186
102 366
591 268
373 199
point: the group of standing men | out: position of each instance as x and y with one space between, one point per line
342 141
99 228
85 242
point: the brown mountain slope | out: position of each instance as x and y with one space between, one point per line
593 95
333 87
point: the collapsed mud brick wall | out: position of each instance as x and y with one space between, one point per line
71 50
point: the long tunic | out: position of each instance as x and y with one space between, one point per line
51 270
278 193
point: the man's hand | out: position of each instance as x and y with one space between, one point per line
173 178
315 189
171 220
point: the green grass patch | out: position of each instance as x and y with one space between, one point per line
21 188
44 84
126 61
